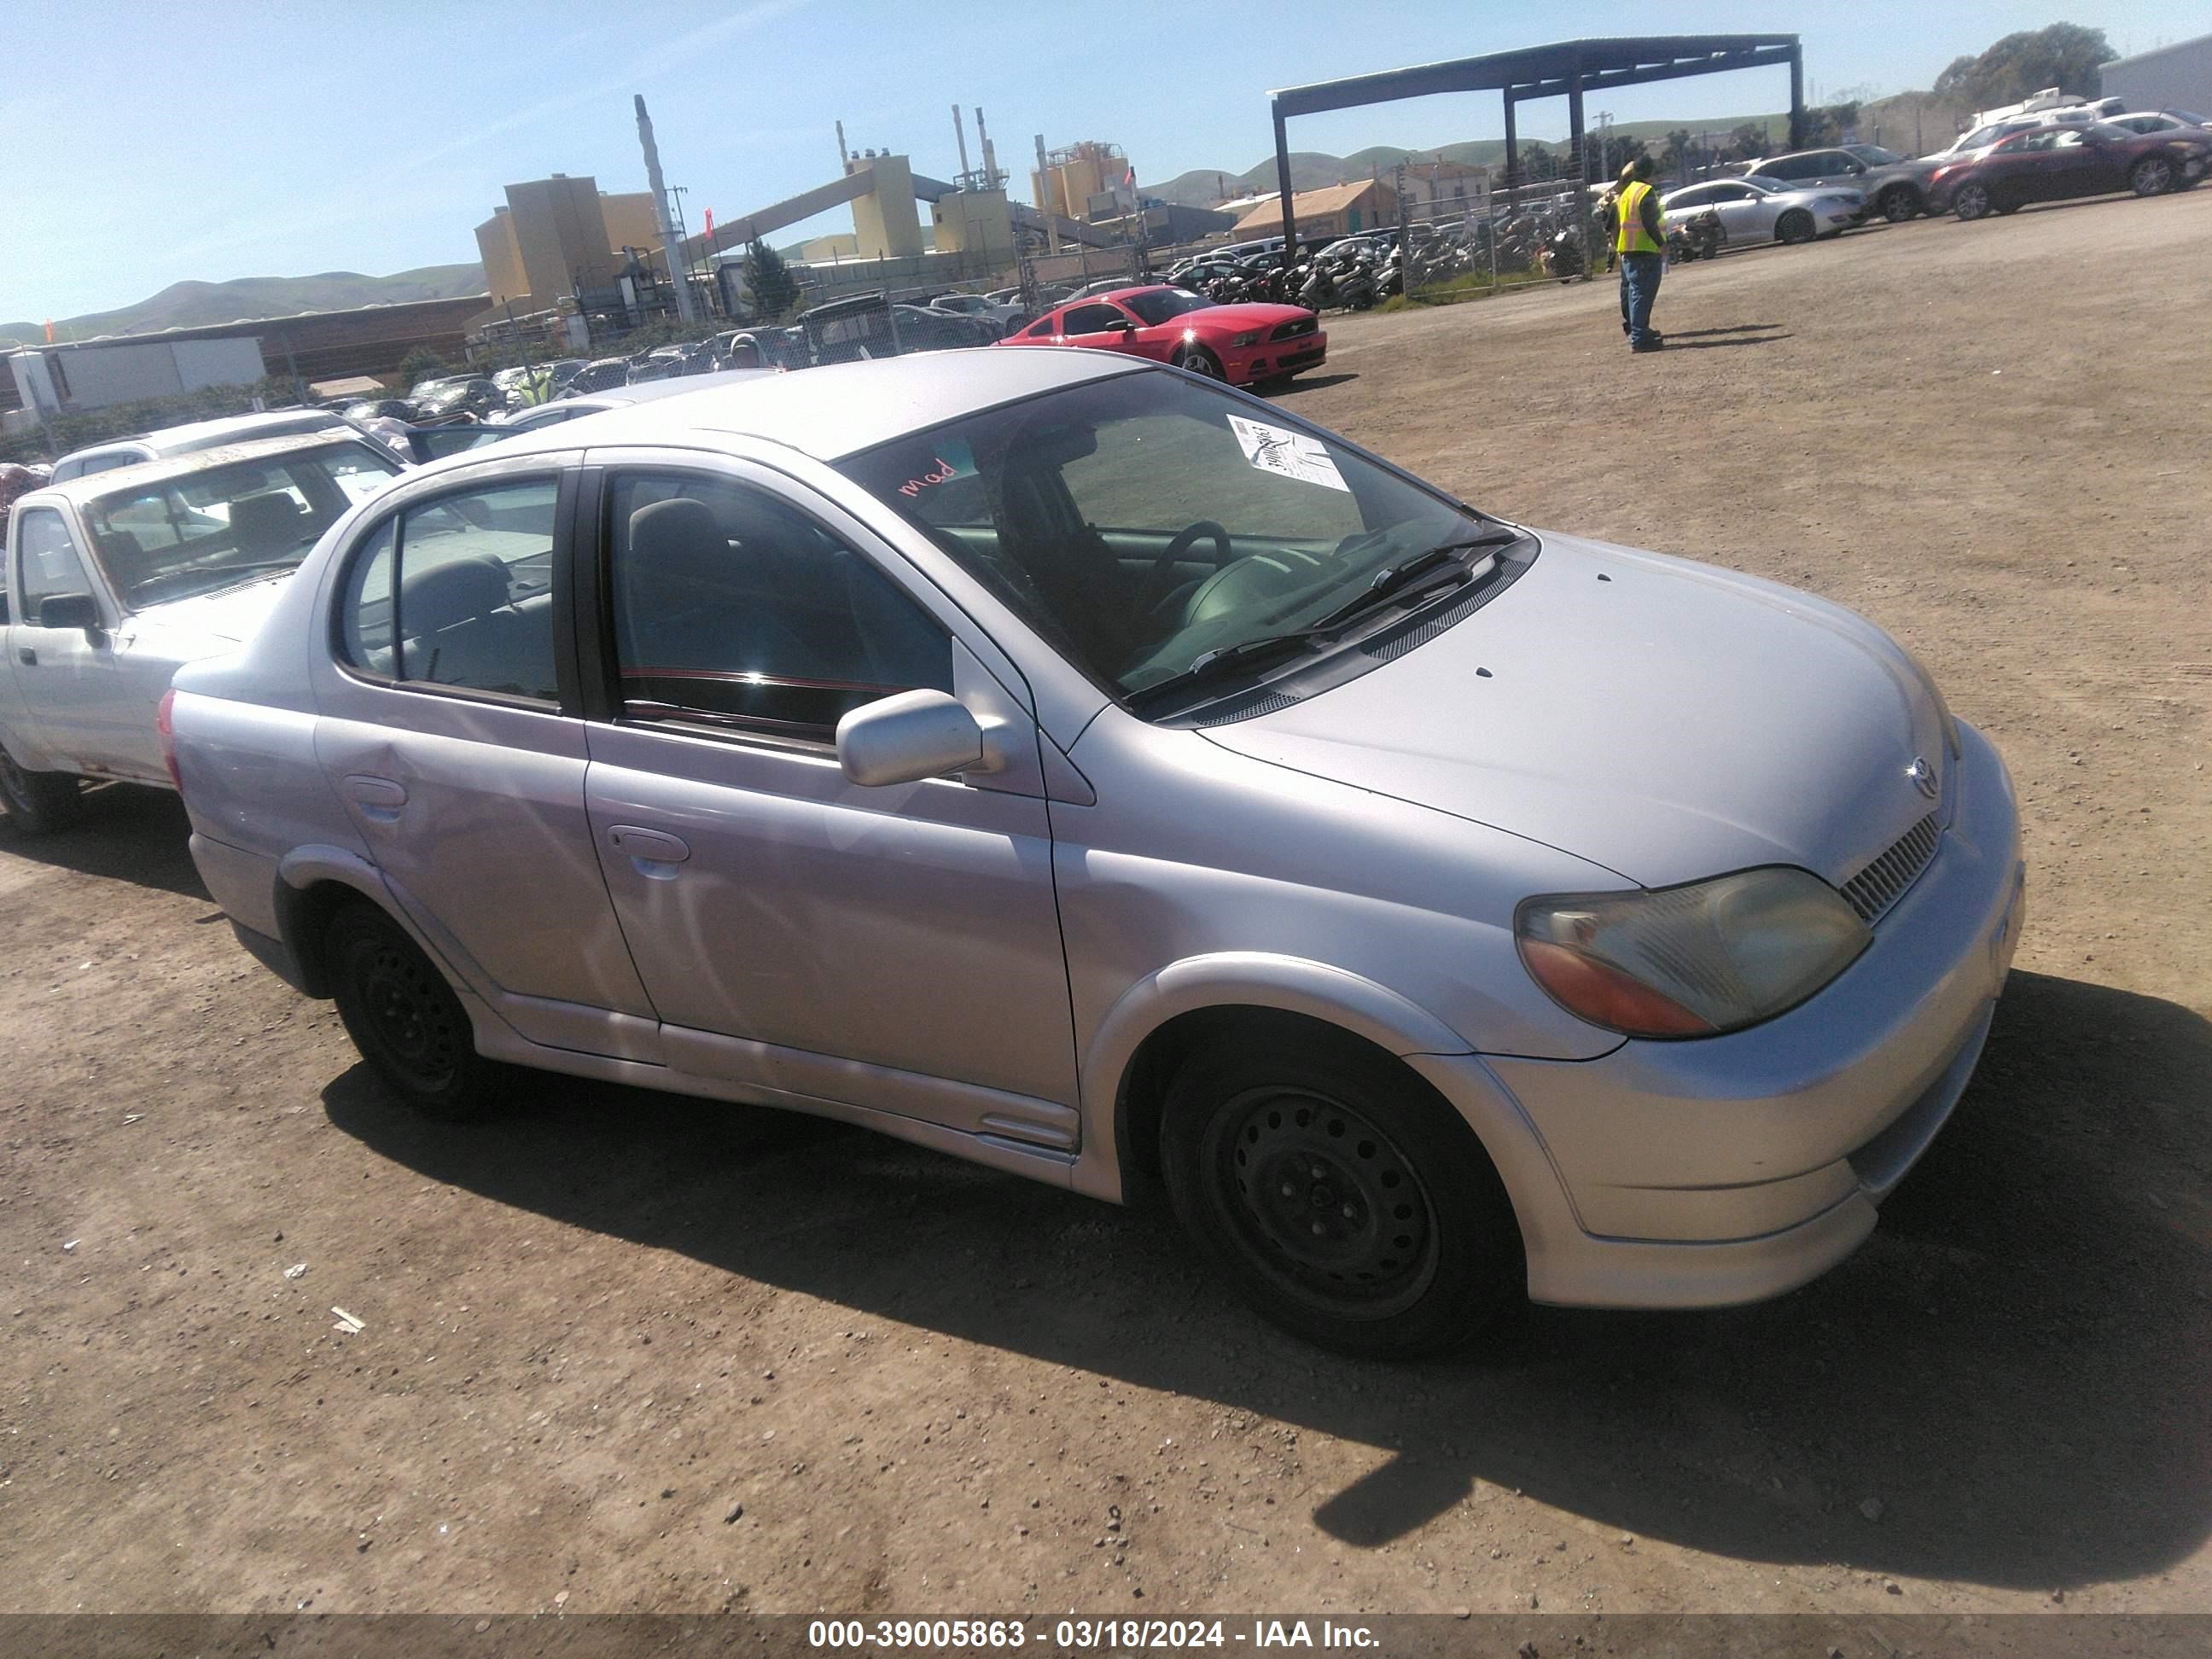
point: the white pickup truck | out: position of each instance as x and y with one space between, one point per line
114 580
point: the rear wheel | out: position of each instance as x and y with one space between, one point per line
1796 226
39 803
1199 361
1972 202
405 1018
1899 203
2152 176
1339 1195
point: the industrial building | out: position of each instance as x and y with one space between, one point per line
314 345
1337 210
1085 181
555 235
2179 77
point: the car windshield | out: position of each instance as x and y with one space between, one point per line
200 531
1145 522
1155 306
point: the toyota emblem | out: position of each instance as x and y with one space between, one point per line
1923 776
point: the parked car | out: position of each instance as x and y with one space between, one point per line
596 403
1246 813
193 437
1755 211
1246 345
378 408
475 395
1890 185
597 376
2169 123
2054 162
111 579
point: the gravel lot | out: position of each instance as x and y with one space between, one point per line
634 1353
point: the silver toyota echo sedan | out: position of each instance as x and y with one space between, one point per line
1096 772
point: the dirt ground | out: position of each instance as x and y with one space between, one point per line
632 1352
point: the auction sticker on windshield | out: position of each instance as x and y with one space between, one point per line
1292 454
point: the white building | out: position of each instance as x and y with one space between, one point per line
2179 77
59 379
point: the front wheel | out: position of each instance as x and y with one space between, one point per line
39 803
405 1018
1972 202
1199 361
1795 227
1340 1196
2153 176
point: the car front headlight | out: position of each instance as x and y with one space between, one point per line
1249 337
1694 961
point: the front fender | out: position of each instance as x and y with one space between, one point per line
1245 979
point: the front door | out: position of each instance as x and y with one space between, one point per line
894 948
85 705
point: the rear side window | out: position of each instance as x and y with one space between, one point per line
733 610
1044 330
457 593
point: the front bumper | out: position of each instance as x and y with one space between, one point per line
1733 1168
1271 358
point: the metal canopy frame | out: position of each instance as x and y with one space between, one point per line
1568 68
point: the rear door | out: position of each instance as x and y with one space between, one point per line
448 728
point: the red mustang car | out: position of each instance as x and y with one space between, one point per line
1243 344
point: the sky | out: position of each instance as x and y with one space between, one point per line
226 139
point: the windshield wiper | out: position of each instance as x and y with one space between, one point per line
1393 580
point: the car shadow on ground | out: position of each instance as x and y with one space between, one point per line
127 833
2008 1385
1314 383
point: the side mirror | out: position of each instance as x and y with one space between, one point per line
1120 325
912 736
69 611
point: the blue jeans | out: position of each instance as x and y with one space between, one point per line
1639 287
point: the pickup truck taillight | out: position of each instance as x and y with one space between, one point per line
167 726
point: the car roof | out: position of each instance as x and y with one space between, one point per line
76 490
840 409
198 431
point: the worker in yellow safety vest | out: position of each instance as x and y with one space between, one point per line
1640 243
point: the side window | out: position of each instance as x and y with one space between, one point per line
1689 198
734 610
1044 330
457 592
51 564
1089 319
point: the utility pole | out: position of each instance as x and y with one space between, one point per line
668 237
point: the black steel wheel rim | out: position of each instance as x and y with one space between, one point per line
418 1029
1322 1202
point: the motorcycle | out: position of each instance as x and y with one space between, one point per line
1562 255
1700 238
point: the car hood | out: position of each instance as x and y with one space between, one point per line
1243 316
1669 721
209 623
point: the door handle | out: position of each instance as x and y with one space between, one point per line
378 798
652 853
28 655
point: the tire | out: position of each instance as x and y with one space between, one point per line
39 803
1795 227
1199 361
1899 203
1338 1195
405 1018
1972 202
2153 176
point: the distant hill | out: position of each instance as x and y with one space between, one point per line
1316 169
192 305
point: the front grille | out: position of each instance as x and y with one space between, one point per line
1883 882
1298 359
1292 331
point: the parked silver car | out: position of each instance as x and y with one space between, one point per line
1096 772
1755 211
1893 186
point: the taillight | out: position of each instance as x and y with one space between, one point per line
165 723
